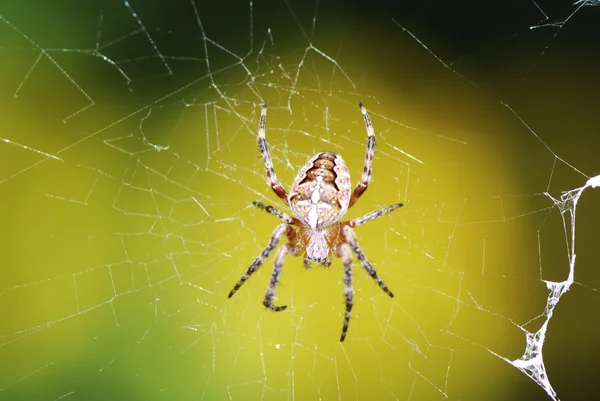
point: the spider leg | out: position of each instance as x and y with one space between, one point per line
344 249
275 212
361 187
350 238
373 215
260 259
262 144
281 253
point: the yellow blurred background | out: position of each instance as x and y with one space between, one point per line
129 164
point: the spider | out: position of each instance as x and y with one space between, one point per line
319 198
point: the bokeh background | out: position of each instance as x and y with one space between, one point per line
129 164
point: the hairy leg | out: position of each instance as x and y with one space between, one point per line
373 215
287 249
264 150
260 259
346 254
362 186
350 238
275 212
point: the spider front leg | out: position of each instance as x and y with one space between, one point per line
290 249
262 144
350 238
344 250
260 259
362 186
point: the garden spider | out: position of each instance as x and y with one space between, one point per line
319 198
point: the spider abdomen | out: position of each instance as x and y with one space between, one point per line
320 194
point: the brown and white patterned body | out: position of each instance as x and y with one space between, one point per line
320 197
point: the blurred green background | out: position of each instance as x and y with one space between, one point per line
129 164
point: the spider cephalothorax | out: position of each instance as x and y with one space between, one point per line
319 198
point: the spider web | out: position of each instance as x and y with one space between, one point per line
129 164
